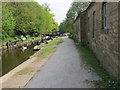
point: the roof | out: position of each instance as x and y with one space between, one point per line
83 11
76 18
88 6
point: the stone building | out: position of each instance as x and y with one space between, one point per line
98 28
77 29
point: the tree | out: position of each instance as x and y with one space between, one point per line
22 18
8 22
76 7
46 7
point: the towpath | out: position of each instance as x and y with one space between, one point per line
64 69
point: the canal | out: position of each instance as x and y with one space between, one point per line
13 57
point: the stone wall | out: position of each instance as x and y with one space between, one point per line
80 29
105 44
119 38
77 30
83 28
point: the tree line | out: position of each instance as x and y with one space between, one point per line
26 18
75 9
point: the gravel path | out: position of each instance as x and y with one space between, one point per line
64 69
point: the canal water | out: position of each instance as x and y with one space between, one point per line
14 57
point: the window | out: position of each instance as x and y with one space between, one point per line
105 16
94 24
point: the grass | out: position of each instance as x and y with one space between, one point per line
10 38
89 57
30 38
26 71
16 38
49 48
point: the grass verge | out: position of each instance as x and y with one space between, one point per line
3 43
17 38
26 71
89 57
49 48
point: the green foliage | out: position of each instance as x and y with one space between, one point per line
8 22
76 7
46 6
66 26
26 18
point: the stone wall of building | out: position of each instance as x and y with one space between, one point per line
119 38
103 42
77 33
75 29
83 28
80 29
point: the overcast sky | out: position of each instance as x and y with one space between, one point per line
59 8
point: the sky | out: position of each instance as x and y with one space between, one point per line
58 7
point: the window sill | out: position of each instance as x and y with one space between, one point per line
94 39
105 30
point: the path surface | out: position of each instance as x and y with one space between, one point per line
64 69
